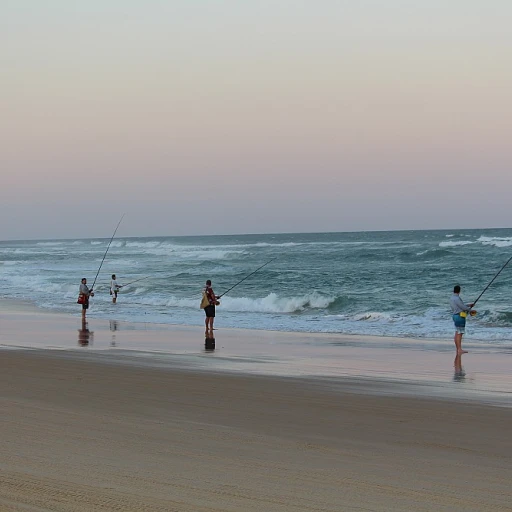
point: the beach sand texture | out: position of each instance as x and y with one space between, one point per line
83 435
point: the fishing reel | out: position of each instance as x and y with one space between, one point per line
472 312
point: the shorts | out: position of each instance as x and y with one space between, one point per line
210 311
114 293
460 324
85 305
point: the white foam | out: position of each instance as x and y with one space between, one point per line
496 241
454 243
272 303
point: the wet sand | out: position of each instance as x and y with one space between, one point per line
91 426
85 435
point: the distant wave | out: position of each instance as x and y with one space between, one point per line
429 254
496 241
454 243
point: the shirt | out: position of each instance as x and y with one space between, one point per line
211 296
84 289
114 286
457 305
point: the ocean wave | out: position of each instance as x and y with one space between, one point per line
339 303
496 241
272 303
428 254
454 243
496 318
156 248
372 316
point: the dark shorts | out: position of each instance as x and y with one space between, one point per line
85 305
210 311
460 323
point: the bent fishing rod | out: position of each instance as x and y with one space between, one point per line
105 255
493 279
246 277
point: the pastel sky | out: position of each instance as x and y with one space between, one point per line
238 116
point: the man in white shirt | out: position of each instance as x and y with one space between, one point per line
114 288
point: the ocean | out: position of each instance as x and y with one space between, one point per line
394 283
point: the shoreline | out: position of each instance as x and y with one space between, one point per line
145 418
400 367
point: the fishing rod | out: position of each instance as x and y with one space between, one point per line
105 255
492 280
252 273
136 280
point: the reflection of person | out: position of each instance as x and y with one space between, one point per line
84 335
113 327
85 293
459 372
459 313
114 288
210 309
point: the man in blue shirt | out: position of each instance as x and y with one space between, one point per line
459 313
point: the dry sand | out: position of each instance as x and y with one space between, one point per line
79 434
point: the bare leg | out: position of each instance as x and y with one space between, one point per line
458 343
206 323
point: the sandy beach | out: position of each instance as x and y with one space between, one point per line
87 430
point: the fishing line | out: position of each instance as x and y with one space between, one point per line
105 255
246 277
136 280
492 280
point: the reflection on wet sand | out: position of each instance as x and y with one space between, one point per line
459 374
85 336
114 325
209 343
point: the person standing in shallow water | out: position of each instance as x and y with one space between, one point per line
459 313
114 288
213 300
86 293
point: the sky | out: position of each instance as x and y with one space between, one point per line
236 116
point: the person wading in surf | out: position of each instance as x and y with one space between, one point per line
210 308
459 314
114 288
85 293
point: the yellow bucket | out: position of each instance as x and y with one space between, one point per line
463 314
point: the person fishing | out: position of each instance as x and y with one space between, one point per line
210 300
459 313
83 297
114 288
